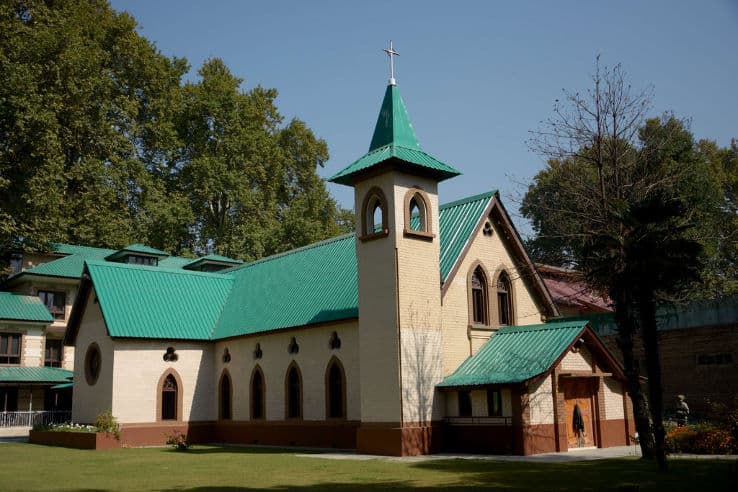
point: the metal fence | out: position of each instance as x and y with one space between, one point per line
479 421
29 419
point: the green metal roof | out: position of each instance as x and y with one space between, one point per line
393 124
516 354
137 249
71 266
34 375
457 221
394 138
20 307
211 258
62 386
155 302
312 284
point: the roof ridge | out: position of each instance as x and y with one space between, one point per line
276 256
149 268
473 198
552 325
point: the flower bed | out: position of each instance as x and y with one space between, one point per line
105 434
81 439
700 439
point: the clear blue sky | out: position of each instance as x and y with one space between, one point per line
475 76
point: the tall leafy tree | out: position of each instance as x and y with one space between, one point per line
620 200
84 113
251 181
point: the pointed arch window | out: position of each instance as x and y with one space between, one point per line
417 214
258 394
335 387
374 215
226 408
293 386
504 300
169 399
478 297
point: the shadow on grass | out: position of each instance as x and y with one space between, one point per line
236 449
614 474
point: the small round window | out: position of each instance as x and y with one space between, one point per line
93 361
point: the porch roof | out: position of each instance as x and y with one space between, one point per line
35 375
516 354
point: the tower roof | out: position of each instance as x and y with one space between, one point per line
394 141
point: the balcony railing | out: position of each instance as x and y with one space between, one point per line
29 419
496 421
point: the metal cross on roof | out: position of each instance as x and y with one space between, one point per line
391 52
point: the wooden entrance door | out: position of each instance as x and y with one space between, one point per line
579 393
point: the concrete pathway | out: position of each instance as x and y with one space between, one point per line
588 454
14 432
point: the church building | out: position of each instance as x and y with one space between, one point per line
428 329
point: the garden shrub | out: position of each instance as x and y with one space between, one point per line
107 423
700 439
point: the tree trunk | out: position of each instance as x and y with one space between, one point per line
649 333
625 319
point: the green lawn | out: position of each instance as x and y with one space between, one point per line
32 467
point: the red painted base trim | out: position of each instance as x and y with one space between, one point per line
321 434
399 441
614 434
155 434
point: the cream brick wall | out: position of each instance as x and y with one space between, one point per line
378 317
33 348
399 292
32 339
491 252
613 399
577 361
312 359
68 362
421 371
140 364
540 402
88 401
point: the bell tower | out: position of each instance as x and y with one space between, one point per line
397 250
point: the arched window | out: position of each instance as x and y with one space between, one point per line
374 214
417 216
225 396
257 394
169 393
504 300
335 387
479 298
293 386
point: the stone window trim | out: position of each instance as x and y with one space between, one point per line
225 413
180 390
475 266
373 196
8 354
502 273
298 415
335 361
426 220
92 366
252 408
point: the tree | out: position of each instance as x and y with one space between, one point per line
618 200
84 111
251 182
